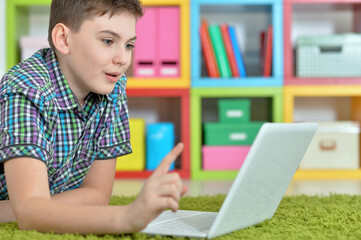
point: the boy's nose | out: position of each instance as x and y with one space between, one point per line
120 58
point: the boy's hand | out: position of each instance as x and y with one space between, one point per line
161 191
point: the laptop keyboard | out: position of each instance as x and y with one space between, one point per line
197 222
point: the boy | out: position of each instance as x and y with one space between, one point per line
66 107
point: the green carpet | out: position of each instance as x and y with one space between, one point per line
299 217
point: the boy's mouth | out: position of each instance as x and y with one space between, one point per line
113 77
113 74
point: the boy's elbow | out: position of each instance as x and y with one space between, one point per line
101 197
105 198
23 220
27 215
23 225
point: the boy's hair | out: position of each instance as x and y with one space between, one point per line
72 13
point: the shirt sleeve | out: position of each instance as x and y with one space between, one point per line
26 126
114 140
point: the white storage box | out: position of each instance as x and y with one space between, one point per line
335 146
329 56
29 45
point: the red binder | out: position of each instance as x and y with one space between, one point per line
208 51
229 50
268 52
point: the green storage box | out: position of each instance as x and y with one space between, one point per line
226 134
234 110
329 56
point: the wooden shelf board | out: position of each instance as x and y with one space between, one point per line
327 174
145 174
320 1
157 83
294 81
322 91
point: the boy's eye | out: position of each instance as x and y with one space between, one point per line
129 45
107 41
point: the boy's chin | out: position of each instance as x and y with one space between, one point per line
104 91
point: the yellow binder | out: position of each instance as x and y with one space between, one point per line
136 160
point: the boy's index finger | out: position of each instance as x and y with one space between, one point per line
164 166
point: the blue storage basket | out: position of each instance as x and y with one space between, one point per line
160 141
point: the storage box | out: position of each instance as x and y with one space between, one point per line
334 146
158 43
136 160
224 158
329 56
223 134
160 141
29 45
234 110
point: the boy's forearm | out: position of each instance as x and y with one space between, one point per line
83 195
48 215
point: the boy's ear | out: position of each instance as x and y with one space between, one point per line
60 36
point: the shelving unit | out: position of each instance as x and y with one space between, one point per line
193 91
199 94
232 12
18 12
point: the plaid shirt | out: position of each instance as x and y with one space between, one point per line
41 118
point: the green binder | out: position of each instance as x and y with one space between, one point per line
220 51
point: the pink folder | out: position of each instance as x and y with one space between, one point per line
168 41
145 52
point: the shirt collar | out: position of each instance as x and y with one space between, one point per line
64 95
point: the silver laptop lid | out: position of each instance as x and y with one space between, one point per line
264 177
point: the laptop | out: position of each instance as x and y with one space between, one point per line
255 193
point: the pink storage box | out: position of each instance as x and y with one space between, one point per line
224 157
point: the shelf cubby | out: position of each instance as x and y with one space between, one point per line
270 97
143 103
240 13
351 94
317 17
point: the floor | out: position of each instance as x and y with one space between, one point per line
130 187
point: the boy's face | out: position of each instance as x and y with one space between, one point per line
99 53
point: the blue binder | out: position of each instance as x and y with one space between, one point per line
160 141
237 52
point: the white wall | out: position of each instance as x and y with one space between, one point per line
322 19
2 38
322 109
39 21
